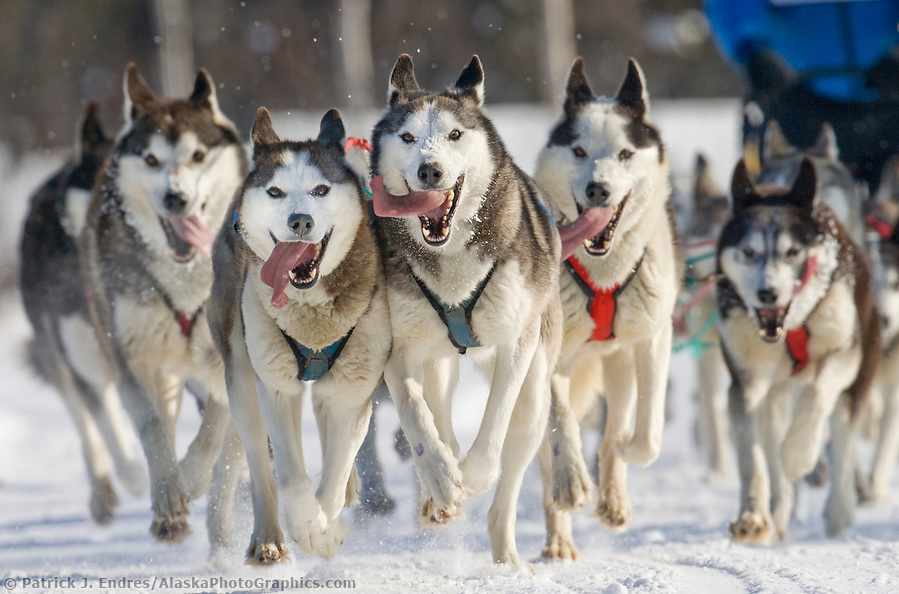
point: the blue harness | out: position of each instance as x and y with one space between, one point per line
456 318
313 365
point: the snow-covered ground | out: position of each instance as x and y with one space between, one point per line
677 541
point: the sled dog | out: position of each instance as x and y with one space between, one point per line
471 264
65 350
605 173
299 297
145 256
801 338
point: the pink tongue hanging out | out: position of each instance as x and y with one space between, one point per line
286 256
589 224
194 231
413 203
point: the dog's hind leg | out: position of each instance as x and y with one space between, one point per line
527 430
713 412
843 495
754 523
373 497
481 465
570 487
651 361
887 444
614 505
773 419
559 541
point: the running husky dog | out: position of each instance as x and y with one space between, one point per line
604 170
695 324
801 338
65 350
299 296
145 257
471 262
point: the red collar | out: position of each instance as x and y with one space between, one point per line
186 322
797 348
601 301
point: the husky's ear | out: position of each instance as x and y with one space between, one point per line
577 91
632 94
805 188
402 79
138 96
204 96
471 81
92 136
775 144
742 189
826 145
263 132
703 187
331 132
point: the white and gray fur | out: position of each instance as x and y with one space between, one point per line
498 224
65 350
172 157
602 152
311 181
785 261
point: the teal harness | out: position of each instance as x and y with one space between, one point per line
313 365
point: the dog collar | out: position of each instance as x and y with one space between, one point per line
185 320
797 348
313 365
456 318
601 301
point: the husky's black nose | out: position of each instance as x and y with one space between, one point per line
767 296
174 202
301 223
430 174
598 193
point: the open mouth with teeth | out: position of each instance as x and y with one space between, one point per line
294 262
599 244
182 250
771 322
436 223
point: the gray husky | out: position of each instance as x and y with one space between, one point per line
801 338
65 349
471 262
299 297
145 257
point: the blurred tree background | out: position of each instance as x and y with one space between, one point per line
309 54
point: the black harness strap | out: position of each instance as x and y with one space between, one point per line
185 321
313 365
457 318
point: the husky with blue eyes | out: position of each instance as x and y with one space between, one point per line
145 256
471 262
299 298
801 338
605 173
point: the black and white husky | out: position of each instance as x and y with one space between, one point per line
145 256
801 338
471 263
65 349
299 297
605 172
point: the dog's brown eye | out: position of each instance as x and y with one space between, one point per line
455 135
151 160
407 137
792 253
320 190
625 154
198 156
749 253
275 192
579 152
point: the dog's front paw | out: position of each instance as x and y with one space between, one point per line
478 474
798 458
441 488
614 508
103 502
558 547
753 527
170 515
572 484
317 536
266 552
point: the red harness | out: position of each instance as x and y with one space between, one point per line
797 338
186 322
601 301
